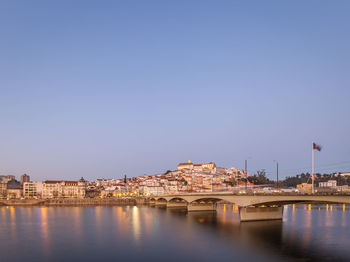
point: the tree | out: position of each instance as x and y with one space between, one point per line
260 178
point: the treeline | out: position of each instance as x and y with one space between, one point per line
260 178
303 178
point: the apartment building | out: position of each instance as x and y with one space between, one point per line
32 189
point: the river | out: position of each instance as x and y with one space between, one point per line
130 233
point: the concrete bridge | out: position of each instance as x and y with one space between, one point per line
251 207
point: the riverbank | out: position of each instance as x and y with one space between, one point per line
75 202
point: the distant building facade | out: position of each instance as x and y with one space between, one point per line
344 174
304 188
13 183
151 190
24 178
190 165
5 179
3 190
65 189
14 193
32 189
329 183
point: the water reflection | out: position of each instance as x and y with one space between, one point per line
45 235
78 222
308 232
297 239
13 221
136 224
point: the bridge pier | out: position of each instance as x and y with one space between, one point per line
201 207
175 204
260 213
152 202
160 203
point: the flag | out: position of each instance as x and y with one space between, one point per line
316 146
244 172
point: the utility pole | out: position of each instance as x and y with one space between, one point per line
276 172
277 175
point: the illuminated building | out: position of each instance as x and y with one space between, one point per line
304 188
65 189
190 165
32 189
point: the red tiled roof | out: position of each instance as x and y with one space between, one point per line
60 181
52 182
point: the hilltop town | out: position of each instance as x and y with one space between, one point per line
187 178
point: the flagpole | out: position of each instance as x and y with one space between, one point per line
312 172
246 175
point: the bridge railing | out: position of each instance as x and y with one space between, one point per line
251 193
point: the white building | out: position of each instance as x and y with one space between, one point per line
329 183
66 189
190 165
344 174
151 190
32 189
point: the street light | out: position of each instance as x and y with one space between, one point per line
276 171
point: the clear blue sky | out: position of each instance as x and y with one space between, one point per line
106 88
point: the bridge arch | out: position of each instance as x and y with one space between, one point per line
207 200
177 199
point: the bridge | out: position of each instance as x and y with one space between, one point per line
251 207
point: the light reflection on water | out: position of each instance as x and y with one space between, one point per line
136 224
308 232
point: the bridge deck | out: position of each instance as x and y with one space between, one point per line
256 200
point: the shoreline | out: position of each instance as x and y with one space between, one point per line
73 202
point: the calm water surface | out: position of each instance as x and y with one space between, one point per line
307 233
